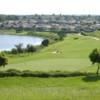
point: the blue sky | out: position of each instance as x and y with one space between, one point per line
69 7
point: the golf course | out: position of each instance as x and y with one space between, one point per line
70 55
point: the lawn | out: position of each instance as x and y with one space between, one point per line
71 54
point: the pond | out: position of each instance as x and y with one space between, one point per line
7 42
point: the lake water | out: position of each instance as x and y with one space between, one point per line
7 42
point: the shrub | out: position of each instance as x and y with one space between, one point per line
76 38
58 74
41 74
19 48
14 51
28 73
30 48
12 72
45 42
2 74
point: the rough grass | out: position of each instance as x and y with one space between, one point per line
77 88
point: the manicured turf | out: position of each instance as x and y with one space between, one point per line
70 55
51 65
77 88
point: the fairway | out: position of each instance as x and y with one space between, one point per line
51 65
68 55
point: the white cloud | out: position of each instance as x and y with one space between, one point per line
49 6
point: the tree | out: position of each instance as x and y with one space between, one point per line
14 51
61 33
3 60
30 48
95 58
45 42
19 48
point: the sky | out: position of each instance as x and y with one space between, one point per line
66 7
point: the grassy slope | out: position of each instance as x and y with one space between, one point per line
95 34
50 35
12 32
72 56
76 88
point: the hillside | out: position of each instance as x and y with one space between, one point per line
71 54
95 34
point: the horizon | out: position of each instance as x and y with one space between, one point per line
49 7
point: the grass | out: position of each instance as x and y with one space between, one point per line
72 56
50 35
77 88
53 37
51 65
95 34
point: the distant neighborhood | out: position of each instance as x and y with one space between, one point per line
68 23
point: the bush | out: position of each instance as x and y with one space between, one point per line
76 38
19 48
45 42
61 34
30 48
2 74
41 74
14 51
58 74
83 33
12 72
28 73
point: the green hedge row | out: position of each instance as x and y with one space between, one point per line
28 73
